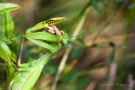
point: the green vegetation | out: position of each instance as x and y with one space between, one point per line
90 48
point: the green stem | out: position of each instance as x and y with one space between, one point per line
76 32
131 19
80 24
77 18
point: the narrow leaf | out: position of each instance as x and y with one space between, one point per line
132 6
42 36
112 56
5 40
42 44
8 28
8 25
101 1
95 5
5 52
76 52
6 7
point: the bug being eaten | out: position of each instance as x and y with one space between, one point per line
53 30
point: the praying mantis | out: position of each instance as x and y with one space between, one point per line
51 39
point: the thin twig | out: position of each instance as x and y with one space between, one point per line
20 53
112 76
92 85
60 69
131 82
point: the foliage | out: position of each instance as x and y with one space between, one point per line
87 59
28 72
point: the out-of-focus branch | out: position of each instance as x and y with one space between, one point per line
92 85
131 82
112 76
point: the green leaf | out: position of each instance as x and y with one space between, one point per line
76 52
132 6
81 83
6 7
5 52
8 25
8 28
101 1
5 40
112 56
42 44
71 76
95 5
42 36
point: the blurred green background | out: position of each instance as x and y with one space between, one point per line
100 52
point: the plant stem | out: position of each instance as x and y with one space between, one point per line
65 57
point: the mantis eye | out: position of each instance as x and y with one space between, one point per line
62 33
